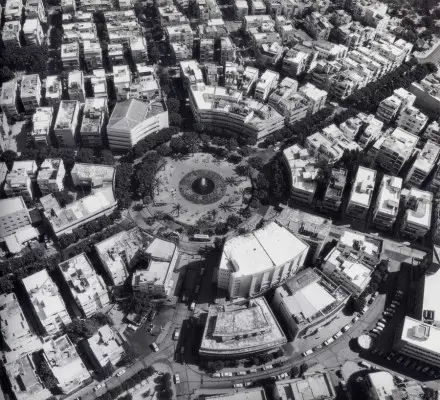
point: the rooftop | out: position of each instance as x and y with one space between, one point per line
427 157
42 121
363 187
261 250
419 212
49 168
98 174
11 205
245 394
104 343
421 335
66 113
389 195
30 86
310 387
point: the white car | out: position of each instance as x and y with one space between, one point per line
215 375
238 385
307 353
253 370
241 373
176 378
337 335
100 386
226 374
121 372
176 334
266 367
155 347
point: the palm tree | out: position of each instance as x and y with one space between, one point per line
226 206
156 184
214 214
231 181
177 208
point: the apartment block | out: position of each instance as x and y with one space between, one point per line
51 176
180 52
35 9
392 152
412 120
267 82
66 123
87 288
13 216
417 218
12 10
361 193
318 384
371 132
316 97
11 34
93 176
389 108
9 98
388 200
70 55
241 9
105 347
30 92
41 126
248 80
48 305
333 194
99 83
94 118
122 81
133 120
33 32
92 54
18 181
423 165
432 132
427 92
206 50
116 53
302 171
317 26
182 34
75 86
53 90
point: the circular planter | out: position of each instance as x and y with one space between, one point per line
202 186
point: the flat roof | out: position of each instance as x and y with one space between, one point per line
245 394
427 157
421 213
263 249
363 187
383 384
430 293
389 195
94 172
310 387
11 205
421 335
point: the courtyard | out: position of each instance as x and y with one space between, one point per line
199 187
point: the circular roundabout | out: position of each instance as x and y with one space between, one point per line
202 186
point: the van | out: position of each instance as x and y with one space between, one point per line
365 364
328 341
192 306
132 328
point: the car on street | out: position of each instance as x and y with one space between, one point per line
307 353
246 384
238 385
266 367
215 375
425 369
253 370
176 334
328 341
100 386
317 347
337 335
365 364
241 372
355 319
192 306
155 347
121 372
176 378
399 360
150 328
282 376
346 328
151 315
226 374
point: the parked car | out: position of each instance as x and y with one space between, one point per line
346 328
155 347
215 375
266 367
317 347
426 369
121 372
328 341
151 315
192 306
238 385
365 364
150 328
176 378
100 386
337 335
381 324
355 319
399 360
176 334
241 373
246 384
226 374
307 353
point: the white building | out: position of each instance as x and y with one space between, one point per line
155 279
42 125
106 347
65 363
255 262
266 84
390 107
53 90
92 54
316 384
361 193
182 34
8 98
432 132
316 97
13 216
388 200
65 127
94 118
75 86
412 120
33 32
99 83
48 305
93 175
86 286
51 175
417 219
423 165
30 92
133 120
70 55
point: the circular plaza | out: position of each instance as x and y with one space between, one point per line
199 187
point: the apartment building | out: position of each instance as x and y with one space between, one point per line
206 50
423 165
122 81
317 26
9 98
18 181
30 92
138 47
70 55
316 97
94 118
33 32
257 7
222 108
13 216
417 218
51 176
35 9
361 193
119 252
266 84
105 347
427 92
248 80
12 10
48 305
66 123
392 152
92 54
333 194
65 363
302 171
318 384
93 176
241 9
190 73
75 86
63 220
182 34
133 120
41 126
268 55
371 132
86 287
11 34
260 249
116 53
432 132
53 90
388 200
412 120
156 278
170 15
99 83
180 52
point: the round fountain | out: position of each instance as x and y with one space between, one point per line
203 186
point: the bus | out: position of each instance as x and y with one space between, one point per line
198 237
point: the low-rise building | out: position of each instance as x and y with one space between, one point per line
190 73
99 83
432 132
133 120
332 200
241 330
94 118
122 81
51 175
93 175
41 126
206 48
382 385
35 9
302 172
33 32
411 119
317 26
65 127
86 287
248 80
427 92
119 252
13 10
70 55
182 34
266 84
417 218
116 53
248 393
241 9
389 108
316 97
228 51
154 278
255 262
361 193
18 181
180 52
371 132
105 347
53 90
48 305
65 363
30 92
257 7
11 34
13 216
310 386
63 220
423 165
9 98
388 200
92 54
75 86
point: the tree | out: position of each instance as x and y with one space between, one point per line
242 170
46 375
80 329
106 157
173 104
177 145
175 119
86 155
233 221
5 74
256 163
63 197
303 368
8 157
177 208
294 372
